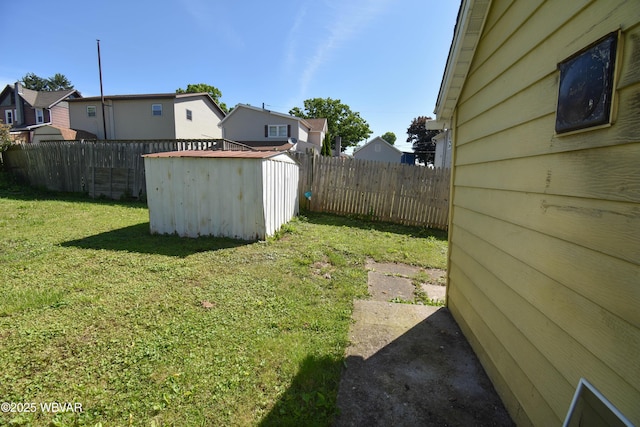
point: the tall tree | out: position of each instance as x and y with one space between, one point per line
420 138
341 121
390 137
56 82
215 93
34 82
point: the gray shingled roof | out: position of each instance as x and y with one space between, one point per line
45 99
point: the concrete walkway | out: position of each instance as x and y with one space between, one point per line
409 365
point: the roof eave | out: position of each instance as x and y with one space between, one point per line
469 24
258 109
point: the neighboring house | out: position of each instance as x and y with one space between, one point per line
378 150
26 109
149 116
268 130
443 150
542 99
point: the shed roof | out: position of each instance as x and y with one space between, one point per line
219 154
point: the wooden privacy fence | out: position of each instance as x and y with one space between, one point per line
393 192
112 169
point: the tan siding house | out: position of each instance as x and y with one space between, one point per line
154 116
265 129
544 240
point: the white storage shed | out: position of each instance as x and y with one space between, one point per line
239 194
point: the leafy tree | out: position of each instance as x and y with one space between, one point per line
421 138
215 93
341 121
57 82
390 137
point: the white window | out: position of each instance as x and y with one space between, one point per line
8 117
39 115
377 148
91 110
277 131
156 109
189 115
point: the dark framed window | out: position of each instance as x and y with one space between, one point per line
189 115
91 111
586 86
156 109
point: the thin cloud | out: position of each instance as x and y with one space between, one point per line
349 19
209 17
293 36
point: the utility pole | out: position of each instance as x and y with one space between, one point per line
104 120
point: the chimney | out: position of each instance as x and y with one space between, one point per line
17 91
338 149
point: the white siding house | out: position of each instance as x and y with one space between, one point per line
244 195
443 150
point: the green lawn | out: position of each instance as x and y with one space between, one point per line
160 330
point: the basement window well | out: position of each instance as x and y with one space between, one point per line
586 86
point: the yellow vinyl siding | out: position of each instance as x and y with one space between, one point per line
544 266
551 356
477 314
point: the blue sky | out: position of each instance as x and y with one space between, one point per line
383 58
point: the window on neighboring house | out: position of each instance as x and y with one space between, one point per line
91 111
156 109
189 115
8 117
278 131
39 115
